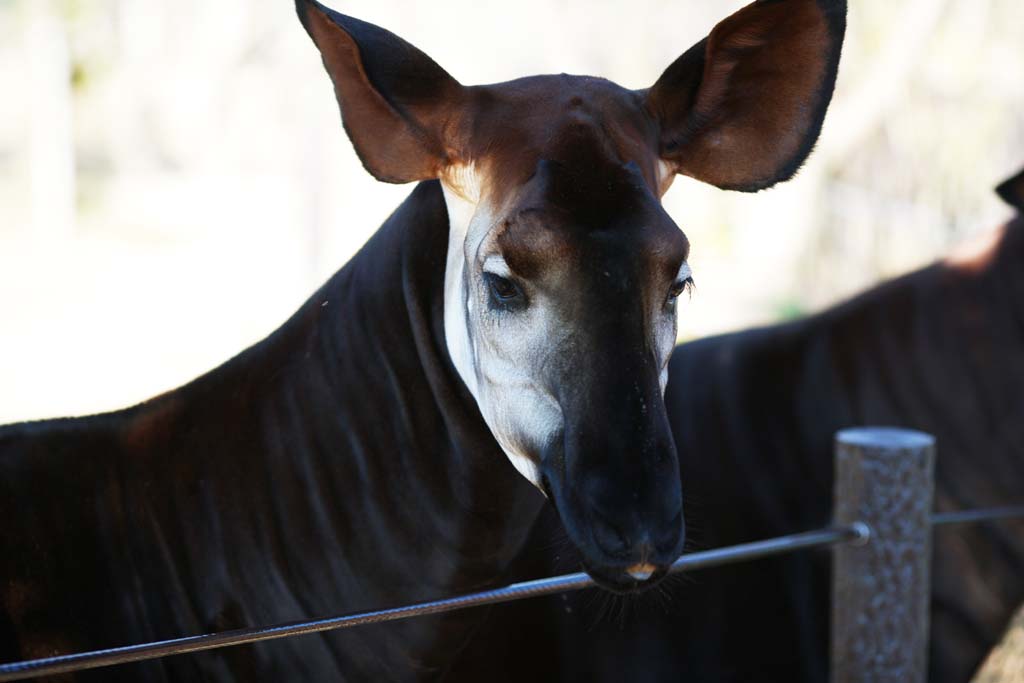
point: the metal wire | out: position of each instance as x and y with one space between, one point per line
983 515
517 591
856 533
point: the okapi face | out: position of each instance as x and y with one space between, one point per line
563 269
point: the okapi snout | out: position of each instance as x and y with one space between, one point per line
628 533
618 493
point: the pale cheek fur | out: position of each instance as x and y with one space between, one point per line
511 354
518 415
666 174
461 213
667 332
666 344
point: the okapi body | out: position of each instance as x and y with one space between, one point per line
516 313
240 499
754 414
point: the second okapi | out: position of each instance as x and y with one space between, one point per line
518 307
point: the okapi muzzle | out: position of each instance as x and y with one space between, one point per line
614 474
562 268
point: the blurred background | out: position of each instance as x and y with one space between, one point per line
174 179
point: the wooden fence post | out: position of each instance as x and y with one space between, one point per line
881 588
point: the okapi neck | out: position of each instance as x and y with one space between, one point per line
360 381
340 460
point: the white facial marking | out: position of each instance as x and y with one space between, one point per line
495 356
495 264
666 174
460 212
666 333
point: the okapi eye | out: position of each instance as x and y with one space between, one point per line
504 292
678 287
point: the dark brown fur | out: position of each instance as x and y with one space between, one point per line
341 464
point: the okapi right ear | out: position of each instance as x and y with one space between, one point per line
1012 191
397 105
742 109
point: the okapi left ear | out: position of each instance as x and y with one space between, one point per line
1012 191
742 109
400 109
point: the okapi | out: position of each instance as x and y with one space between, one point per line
521 301
753 415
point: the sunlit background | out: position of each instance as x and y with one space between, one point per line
174 179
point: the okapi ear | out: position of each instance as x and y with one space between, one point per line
397 105
742 108
1012 191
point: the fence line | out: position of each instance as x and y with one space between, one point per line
862 498
516 591
983 515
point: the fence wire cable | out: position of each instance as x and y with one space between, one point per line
983 515
855 533
516 591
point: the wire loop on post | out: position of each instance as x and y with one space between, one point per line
880 590
863 532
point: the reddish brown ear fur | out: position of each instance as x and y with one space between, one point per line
742 109
398 106
1012 191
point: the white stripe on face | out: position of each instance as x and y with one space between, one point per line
495 264
666 334
461 212
666 174
518 413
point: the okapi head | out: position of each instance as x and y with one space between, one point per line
563 268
